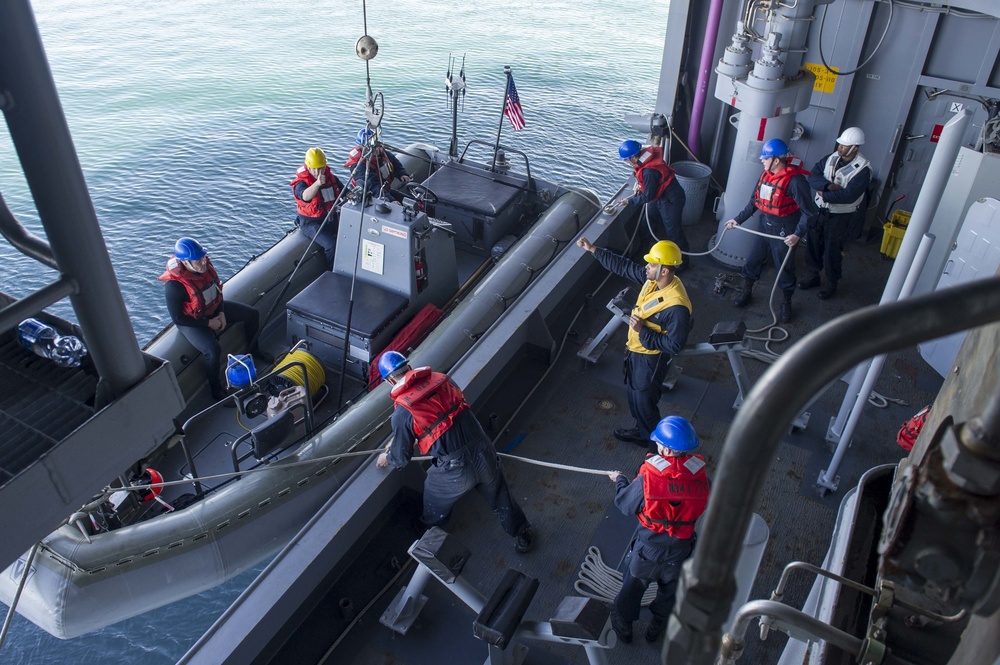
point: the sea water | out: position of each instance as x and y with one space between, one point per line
190 118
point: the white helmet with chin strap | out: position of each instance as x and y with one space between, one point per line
851 136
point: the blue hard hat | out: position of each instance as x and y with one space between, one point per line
364 135
675 433
188 249
390 361
774 148
629 148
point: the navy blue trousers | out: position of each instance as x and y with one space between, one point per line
644 565
776 248
206 341
475 467
825 245
666 213
644 374
325 238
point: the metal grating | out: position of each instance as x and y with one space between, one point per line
40 404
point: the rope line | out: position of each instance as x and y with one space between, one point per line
108 491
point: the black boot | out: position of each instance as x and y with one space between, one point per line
809 283
743 297
785 313
827 292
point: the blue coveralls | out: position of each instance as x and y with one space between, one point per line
644 372
667 210
792 224
654 557
464 459
310 227
825 240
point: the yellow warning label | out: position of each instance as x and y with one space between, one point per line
826 80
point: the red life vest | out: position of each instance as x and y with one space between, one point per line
910 430
771 194
667 481
651 157
204 289
378 163
433 401
321 203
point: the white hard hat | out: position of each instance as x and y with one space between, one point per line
852 136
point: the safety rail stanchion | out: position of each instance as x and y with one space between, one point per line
828 479
17 595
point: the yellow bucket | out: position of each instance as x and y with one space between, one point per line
314 370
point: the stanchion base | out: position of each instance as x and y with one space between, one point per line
823 487
403 612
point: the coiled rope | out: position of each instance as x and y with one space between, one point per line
599 581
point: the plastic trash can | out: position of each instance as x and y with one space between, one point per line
693 178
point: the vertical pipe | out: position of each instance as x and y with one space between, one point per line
934 183
45 148
704 75
828 478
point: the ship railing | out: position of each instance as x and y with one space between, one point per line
707 587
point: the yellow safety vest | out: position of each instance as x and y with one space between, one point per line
652 300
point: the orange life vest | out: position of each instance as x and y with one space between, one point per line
651 157
676 494
378 164
771 194
433 401
204 289
320 204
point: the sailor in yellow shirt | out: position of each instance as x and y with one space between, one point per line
658 328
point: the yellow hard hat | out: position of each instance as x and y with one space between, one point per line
664 253
315 158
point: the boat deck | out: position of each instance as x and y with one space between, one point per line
570 420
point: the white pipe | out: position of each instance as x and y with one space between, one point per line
829 478
937 176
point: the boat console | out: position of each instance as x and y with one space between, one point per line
391 261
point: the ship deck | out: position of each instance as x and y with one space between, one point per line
569 420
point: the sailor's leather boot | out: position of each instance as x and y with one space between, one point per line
743 297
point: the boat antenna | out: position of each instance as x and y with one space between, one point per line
455 87
503 108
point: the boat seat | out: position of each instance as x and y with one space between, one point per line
471 190
319 314
328 297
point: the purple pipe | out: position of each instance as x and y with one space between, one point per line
704 74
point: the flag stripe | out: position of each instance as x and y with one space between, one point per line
512 106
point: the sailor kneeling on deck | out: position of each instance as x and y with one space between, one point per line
194 301
432 415
658 328
668 496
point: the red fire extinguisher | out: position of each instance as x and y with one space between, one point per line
420 273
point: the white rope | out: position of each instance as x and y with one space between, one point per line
553 465
600 582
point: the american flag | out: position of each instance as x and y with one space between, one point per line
512 107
